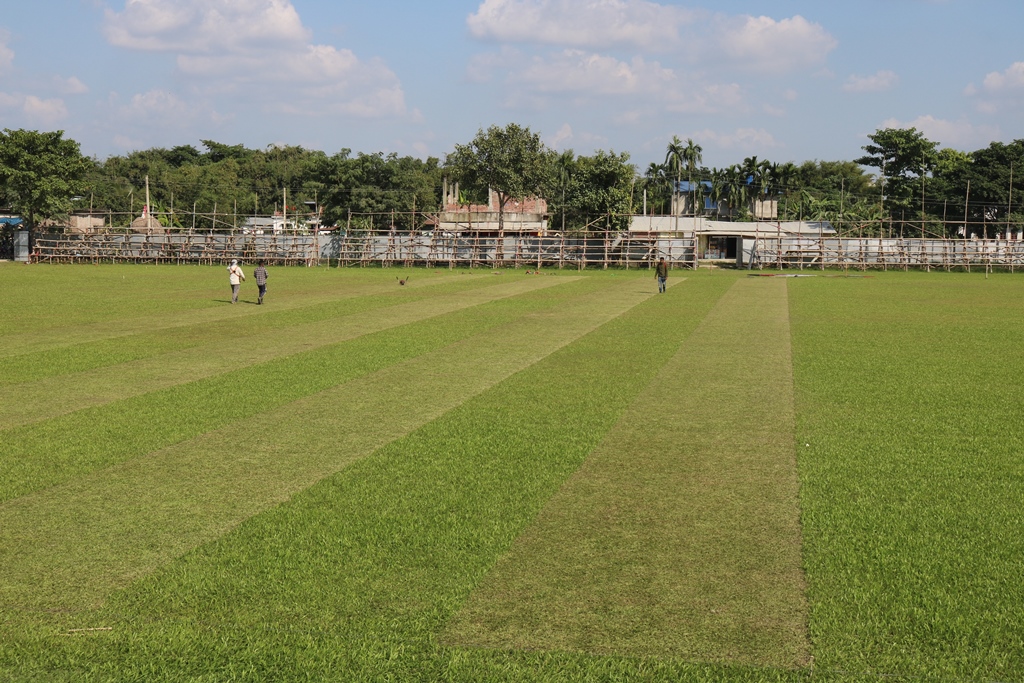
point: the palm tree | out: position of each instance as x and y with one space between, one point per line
756 177
719 188
675 157
693 155
563 166
655 179
736 196
781 180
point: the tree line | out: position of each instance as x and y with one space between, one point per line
915 187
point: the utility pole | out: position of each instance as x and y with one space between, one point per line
967 202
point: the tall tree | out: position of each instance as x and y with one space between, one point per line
598 191
680 155
903 156
512 161
656 184
40 172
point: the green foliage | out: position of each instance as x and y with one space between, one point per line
375 183
40 173
836 191
591 193
903 156
990 172
236 181
512 161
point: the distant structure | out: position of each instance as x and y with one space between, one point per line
267 225
522 216
726 240
685 199
147 222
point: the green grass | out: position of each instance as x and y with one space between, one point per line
33 401
911 458
105 530
240 330
679 536
336 512
58 450
355 577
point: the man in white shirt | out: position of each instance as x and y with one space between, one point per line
236 277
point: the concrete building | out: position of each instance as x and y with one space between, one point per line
522 216
726 240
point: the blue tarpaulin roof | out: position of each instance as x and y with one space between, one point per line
10 220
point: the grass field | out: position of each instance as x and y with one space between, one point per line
485 476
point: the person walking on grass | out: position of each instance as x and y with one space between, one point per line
261 279
236 277
661 272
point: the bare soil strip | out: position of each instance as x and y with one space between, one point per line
69 546
41 340
680 534
43 399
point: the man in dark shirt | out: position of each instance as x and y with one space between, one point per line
661 271
261 279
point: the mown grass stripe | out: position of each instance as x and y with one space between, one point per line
57 450
908 390
679 536
34 401
67 547
354 578
331 287
66 360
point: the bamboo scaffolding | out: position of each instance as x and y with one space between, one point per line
417 240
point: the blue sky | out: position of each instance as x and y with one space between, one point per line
785 80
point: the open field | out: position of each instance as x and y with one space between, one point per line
484 476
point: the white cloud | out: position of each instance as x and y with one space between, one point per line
48 112
157 105
769 45
71 86
961 134
236 46
879 82
756 43
11 101
6 53
628 118
575 70
582 75
1010 79
743 138
204 25
709 99
580 23
563 135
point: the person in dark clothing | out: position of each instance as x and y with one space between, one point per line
261 279
661 272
